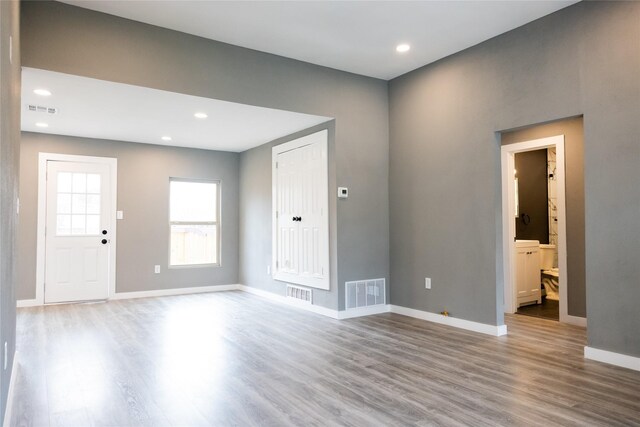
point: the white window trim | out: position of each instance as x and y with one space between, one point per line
216 223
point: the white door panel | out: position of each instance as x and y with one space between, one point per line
78 206
300 198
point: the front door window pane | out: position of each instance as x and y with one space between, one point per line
78 204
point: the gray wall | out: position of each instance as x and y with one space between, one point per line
584 59
572 129
255 218
9 158
143 194
77 41
531 168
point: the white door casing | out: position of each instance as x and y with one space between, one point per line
300 212
77 259
508 224
76 202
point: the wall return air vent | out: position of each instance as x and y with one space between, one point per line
299 294
364 293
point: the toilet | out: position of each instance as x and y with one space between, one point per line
550 273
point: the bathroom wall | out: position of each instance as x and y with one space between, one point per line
572 129
533 220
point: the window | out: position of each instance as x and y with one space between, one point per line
194 222
78 207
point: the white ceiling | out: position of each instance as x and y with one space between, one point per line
355 36
106 110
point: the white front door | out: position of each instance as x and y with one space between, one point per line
78 231
301 229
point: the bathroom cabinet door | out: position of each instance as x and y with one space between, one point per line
522 266
533 273
527 275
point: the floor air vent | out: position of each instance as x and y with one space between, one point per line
364 293
300 294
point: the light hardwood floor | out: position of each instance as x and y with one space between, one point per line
231 358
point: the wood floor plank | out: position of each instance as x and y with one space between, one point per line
232 358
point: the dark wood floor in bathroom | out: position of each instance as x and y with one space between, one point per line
549 309
232 358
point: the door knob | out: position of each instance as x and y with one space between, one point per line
104 231
104 241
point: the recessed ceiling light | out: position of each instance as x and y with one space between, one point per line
42 92
166 138
42 125
402 48
200 115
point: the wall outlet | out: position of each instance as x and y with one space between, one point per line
156 269
6 354
427 283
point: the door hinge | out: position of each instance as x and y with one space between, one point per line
277 263
276 165
276 214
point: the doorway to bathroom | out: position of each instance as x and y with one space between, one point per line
536 218
534 228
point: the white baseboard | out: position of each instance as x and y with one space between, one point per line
364 311
483 328
575 320
12 383
147 294
334 314
175 291
618 359
28 303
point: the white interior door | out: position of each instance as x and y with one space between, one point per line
78 227
301 225
288 207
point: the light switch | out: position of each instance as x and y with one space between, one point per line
119 215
